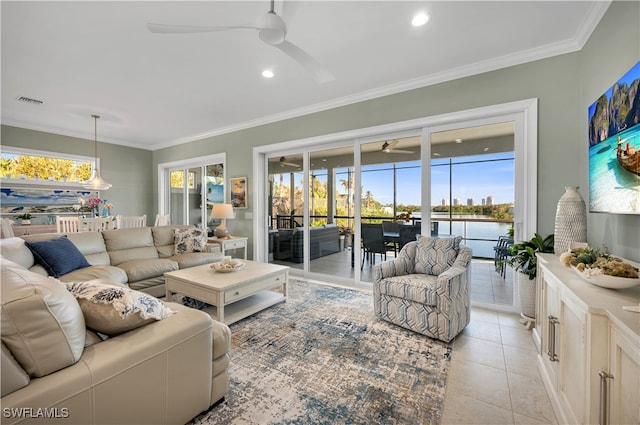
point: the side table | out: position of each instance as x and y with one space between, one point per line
233 242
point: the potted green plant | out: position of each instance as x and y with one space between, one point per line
522 257
25 218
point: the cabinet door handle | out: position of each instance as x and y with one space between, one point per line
551 334
604 397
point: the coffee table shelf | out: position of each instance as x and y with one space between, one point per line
246 307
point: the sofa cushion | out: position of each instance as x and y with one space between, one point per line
163 238
91 245
58 256
129 244
96 272
419 288
192 259
189 240
435 255
114 309
147 268
42 324
14 249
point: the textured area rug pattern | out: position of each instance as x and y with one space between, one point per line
324 358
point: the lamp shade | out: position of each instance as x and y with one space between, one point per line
222 211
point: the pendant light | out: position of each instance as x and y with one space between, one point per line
96 182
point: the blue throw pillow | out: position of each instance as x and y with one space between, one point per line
58 256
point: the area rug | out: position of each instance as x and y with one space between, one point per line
324 358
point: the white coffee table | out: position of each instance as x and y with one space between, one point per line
234 295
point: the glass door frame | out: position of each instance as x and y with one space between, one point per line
164 185
523 113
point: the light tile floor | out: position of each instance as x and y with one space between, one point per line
494 378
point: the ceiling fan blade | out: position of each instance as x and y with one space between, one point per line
400 151
320 74
187 29
283 162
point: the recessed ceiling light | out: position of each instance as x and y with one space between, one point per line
419 19
435 154
267 73
458 140
486 149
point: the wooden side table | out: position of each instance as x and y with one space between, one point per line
234 242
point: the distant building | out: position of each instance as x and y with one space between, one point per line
470 202
490 200
456 201
444 202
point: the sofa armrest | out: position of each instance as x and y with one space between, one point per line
166 366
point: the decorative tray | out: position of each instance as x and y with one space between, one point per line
227 266
606 281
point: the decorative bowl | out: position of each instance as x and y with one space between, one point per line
227 266
606 281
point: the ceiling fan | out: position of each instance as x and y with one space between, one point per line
271 29
283 162
388 147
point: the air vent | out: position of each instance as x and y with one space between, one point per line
30 100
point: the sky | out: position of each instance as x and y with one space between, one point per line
471 180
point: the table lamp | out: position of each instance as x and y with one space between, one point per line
222 212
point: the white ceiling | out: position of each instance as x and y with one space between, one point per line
158 90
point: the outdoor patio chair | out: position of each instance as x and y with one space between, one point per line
426 288
391 231
372 242
408 233
501 254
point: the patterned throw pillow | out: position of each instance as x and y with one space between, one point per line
112 309
189 240
435 255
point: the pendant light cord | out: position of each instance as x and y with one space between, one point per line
95 135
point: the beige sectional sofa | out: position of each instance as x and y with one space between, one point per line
137 257
56 370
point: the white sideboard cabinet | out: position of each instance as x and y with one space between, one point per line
588 347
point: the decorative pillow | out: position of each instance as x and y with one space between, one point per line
189 240
435 255
112 310
58 256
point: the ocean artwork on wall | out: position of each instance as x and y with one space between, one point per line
19 200
614 147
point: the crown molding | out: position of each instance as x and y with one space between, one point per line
595 14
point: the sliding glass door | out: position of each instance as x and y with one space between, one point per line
286 210
470 173
390 199
188 189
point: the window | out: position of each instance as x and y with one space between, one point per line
34 166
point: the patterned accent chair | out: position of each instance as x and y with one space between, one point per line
426 288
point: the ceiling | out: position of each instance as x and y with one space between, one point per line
158 90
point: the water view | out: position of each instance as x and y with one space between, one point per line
612 188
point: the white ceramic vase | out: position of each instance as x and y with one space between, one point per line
571 220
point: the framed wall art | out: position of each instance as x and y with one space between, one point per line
239 192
